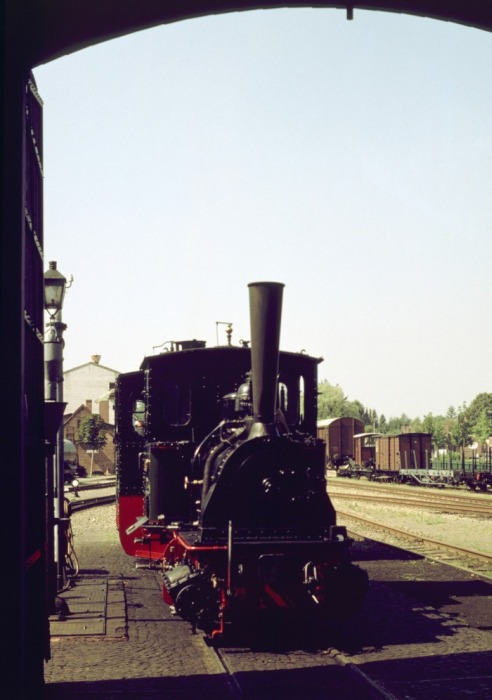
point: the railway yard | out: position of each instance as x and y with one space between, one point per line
453 521
424 631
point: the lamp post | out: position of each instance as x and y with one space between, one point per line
54 292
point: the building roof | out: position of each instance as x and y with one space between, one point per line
81 409
92 364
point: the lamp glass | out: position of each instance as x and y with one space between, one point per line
54 289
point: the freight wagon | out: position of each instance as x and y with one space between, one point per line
406 457
338 434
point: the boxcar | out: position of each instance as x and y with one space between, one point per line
338 434
407 454
365 449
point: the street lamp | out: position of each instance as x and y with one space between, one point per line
54 292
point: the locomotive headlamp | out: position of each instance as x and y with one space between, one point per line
54 290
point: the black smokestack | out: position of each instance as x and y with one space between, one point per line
265 304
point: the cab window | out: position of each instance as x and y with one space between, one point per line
138 416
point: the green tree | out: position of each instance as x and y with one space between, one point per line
428 424
92 434
393 425
370 420
331 400
405 423
458 428
482 429
354 409
332 403
461 432
481 402
398 424
439 435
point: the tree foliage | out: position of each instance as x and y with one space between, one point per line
457 429
481 404
92 434
332 403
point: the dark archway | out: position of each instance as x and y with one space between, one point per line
67 30
34 32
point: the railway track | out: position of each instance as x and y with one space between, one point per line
88 495
405 496
333 673
388 518
76 504
442 505
469 560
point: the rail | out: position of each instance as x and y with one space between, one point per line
442 505
463 558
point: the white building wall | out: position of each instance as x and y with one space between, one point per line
88 382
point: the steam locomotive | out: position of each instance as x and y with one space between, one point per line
221 481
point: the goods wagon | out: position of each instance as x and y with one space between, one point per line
402 457
338 434
403 453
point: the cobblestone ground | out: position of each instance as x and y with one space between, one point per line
159 657
424 632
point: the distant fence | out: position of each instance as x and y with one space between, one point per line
457 461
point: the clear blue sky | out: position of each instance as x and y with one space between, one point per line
350 160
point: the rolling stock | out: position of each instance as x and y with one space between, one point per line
338 436
221 481
403 458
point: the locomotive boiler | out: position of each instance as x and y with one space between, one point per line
221 480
